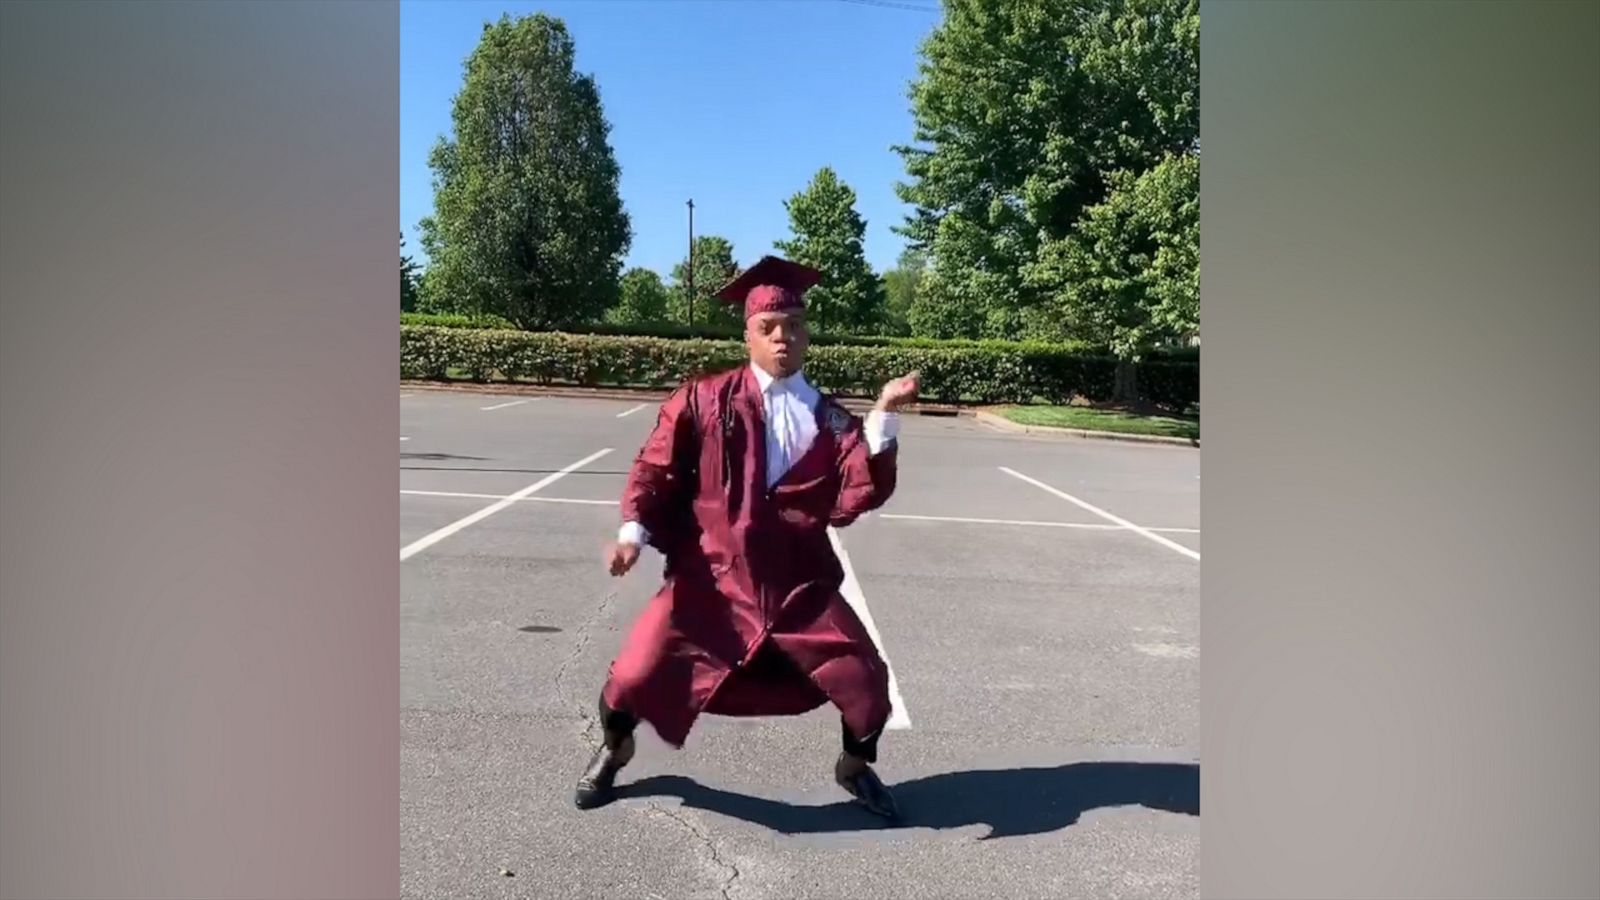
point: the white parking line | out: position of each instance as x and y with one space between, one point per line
965 520
455 494
1103 514
1092 526
899 718
404 438
631 410
511 403
1169 651
520 499
429 540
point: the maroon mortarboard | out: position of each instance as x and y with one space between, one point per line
769 285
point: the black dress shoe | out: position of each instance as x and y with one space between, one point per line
868 789
598 784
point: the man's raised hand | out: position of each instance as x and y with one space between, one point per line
898 392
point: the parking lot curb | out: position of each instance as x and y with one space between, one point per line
536 390
854 404
1004 424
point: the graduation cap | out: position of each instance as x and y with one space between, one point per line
770 285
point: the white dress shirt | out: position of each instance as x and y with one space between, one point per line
790 414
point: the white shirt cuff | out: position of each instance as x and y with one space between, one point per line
633 533
882 428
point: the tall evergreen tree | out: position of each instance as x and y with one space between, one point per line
829 235
527 222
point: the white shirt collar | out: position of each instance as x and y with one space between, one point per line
795 383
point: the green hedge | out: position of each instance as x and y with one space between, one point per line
995 373
453 320
732 333
1174 354
819 339
1170 385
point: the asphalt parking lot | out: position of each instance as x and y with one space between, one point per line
1037 599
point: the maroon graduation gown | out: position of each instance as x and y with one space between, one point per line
749 620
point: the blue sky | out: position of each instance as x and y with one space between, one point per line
735 103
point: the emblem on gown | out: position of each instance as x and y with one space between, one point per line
838 420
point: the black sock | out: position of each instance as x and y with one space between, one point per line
618 724
861 749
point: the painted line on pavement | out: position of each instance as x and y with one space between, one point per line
899 719
519 499
510 403
1165 542
429 540
1091 526
1029 523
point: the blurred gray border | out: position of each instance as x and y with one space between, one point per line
199 631
198 634
1401 312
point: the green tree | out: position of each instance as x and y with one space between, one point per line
901 286
1024 110
713 268
527 222
828 235
409 279
1129 276
644 300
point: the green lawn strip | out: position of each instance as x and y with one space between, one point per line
1087 419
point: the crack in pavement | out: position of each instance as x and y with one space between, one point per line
710 845
584 636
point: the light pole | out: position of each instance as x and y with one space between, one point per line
691 265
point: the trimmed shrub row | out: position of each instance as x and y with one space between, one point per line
1172 385
818 339
993 373
454 320
723 332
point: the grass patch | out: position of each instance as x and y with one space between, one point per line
1088 419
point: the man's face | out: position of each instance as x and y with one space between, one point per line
778 341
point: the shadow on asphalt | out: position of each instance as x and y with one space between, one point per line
1012 802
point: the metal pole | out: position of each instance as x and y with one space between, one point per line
691 265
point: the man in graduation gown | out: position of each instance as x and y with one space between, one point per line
737 486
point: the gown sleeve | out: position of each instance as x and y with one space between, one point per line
869 458
660 485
